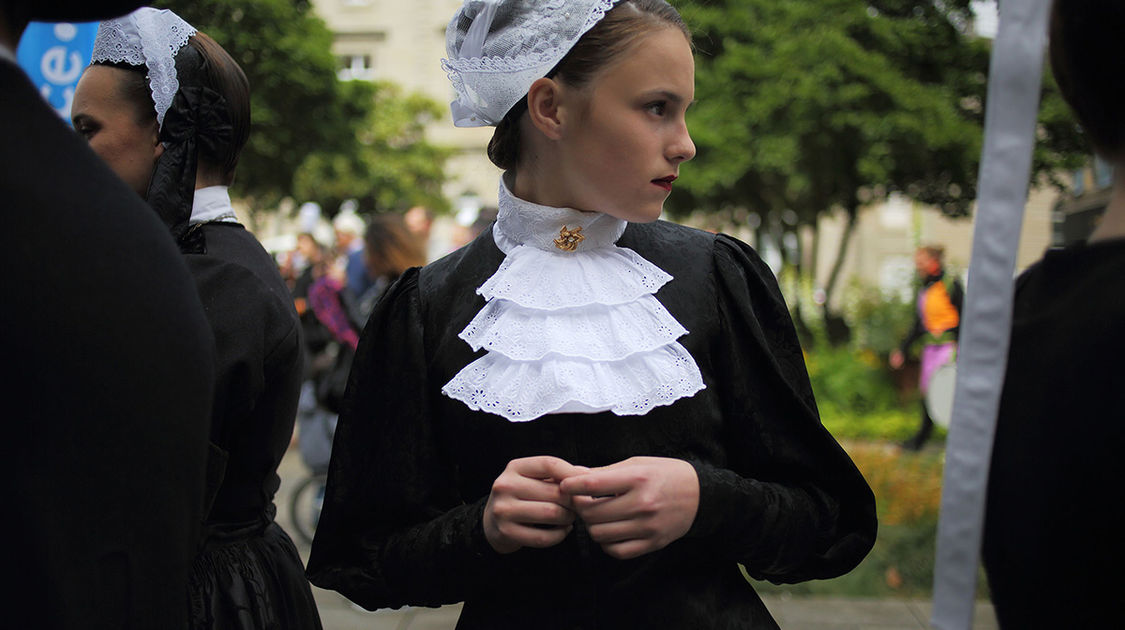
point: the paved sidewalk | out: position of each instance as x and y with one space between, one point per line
791 613
338 613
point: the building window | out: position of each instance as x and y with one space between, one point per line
355 67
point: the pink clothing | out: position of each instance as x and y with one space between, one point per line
324 298
933 357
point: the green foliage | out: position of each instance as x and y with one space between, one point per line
296 101
804 104
887 425
852 382
812 105
390 165
858 395
878 320
1062 145
312 136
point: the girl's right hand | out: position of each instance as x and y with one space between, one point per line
526 507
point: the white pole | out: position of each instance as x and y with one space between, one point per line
1010 118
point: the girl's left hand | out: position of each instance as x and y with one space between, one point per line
636 506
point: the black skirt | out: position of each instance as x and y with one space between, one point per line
251 578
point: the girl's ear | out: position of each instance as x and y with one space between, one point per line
158 146
543 107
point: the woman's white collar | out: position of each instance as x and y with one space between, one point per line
212 204
571 326
521 222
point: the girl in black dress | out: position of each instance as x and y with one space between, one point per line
585 417
169 110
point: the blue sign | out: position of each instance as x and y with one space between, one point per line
54 56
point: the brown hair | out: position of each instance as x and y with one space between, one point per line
390 248
937 252
1085 42
618 31
223 75
201 62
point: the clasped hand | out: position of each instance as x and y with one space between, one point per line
630 508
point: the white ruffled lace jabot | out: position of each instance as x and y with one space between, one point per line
571 323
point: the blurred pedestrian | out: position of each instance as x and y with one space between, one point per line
530 427
420 221
349 228
314 422
390 249
937 322
1054 516
169 110
107 395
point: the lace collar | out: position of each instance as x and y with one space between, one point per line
551 229
571 323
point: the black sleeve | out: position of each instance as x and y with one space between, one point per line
957 295
392 531
792 506
957 298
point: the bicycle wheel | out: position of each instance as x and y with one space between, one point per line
304 506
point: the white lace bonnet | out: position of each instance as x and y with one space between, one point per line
498 48
146 37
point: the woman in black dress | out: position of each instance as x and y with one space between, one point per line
172 124
585 417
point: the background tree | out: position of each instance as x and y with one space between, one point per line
297 104
353 135
390 165
808 107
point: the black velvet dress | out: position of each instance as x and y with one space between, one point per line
248 574
412 469
1054 516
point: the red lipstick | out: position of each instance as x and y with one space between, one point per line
665 182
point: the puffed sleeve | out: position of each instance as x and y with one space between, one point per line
789 505
392 531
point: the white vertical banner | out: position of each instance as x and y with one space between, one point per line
1009 137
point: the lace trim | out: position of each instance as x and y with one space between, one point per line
544 35
148 37
542 280
597 333
521 391
521 222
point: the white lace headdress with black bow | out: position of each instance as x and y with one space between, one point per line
146 37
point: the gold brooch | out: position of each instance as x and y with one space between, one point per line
568 240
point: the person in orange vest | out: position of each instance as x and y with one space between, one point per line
936 323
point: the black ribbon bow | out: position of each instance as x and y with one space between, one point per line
197 121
